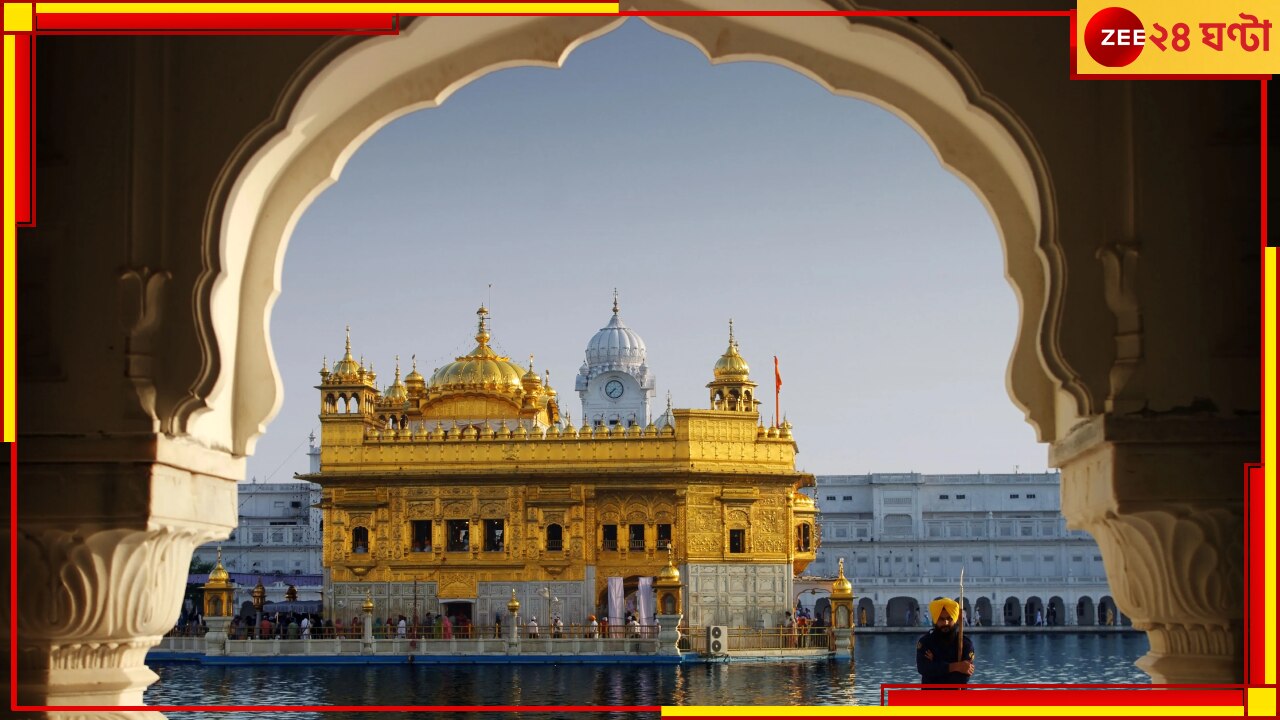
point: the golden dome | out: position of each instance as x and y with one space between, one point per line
842 587
414 379
219 577
397 393
482 368
347 368
731 364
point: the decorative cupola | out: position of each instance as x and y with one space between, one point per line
347 391
842 615
532 385
553 401
414 382
732 388
668 587
397 394
219 591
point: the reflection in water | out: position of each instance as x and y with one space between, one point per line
1001 658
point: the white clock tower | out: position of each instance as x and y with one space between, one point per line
614 383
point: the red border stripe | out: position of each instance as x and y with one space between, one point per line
210 22
1255 574
1148 697
24 130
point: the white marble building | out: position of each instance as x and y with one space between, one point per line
278 530
905 537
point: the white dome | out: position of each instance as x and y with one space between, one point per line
615 347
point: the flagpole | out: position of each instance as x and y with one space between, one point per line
960 621
777 391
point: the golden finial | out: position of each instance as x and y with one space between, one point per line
615 301
415 362
731 340
482 331
530 362
324 364
668 401
348 338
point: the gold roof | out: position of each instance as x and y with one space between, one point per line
397 393
480 369
841 587
219 577
731 364
669 573
414 378
347 368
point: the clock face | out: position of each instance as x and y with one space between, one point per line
613 389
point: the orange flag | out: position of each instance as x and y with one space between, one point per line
777 376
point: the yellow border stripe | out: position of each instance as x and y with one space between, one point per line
966 711
496 8
10 236
1262 702
1269 459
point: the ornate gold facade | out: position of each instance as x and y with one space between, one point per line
469 484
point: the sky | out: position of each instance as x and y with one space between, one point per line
823 226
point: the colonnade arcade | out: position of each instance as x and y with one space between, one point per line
998 610
145 382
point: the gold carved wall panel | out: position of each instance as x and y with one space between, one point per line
457 585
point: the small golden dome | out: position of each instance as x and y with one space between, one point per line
513 605
731 364
347 369
397 394
669 574
841 587
367 605
531 377
219 577
414 379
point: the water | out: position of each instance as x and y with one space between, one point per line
1001 658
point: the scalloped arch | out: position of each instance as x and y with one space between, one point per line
347 93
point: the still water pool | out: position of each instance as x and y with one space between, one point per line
1001 658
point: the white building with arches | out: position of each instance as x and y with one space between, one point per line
905 537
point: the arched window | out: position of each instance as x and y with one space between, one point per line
555 538
360 540
804 541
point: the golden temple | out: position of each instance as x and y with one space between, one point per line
444 494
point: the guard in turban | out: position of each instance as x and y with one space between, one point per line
942 657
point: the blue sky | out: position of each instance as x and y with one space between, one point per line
824 226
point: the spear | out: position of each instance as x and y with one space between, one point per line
960 621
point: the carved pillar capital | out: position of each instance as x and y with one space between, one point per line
1164 498
104 545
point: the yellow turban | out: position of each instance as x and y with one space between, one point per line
951 607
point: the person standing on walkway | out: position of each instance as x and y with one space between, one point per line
942 656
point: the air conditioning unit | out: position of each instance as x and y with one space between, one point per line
717 640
